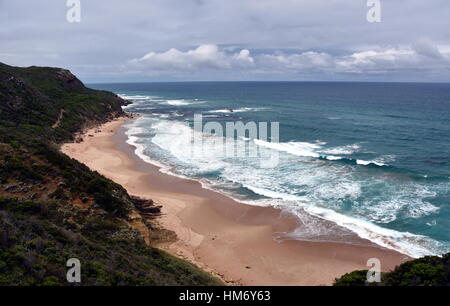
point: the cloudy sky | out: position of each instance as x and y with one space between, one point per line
177 40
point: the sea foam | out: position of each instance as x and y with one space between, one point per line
318 185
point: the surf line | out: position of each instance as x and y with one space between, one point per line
234 131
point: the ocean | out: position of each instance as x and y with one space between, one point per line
371 159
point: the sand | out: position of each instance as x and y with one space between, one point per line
231 240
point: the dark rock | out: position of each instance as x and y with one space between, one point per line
34 196
123 102
146 207
68 80
11 189
150 210
141 202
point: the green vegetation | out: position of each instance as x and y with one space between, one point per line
426 271
33 99
53 208
37 239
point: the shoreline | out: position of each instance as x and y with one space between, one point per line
231 240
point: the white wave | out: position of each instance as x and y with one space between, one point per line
140 102
404 242
270 193
336 191
159 115
331 157
135 97
368 162
304 149
407 202
178 102
176 114
300 188
381 161
238 110
343 150
182 102
134 138
178 139
307 149
432 223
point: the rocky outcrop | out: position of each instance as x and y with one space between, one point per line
68 80
146 207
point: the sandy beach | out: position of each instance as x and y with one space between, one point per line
232 240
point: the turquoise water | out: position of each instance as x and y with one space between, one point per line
365 158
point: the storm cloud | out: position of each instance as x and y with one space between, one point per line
163 40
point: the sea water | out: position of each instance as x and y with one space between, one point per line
371 159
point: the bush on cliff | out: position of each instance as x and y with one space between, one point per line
426 271
53 208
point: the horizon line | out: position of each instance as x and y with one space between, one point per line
268 81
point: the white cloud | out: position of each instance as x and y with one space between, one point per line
427 48
420 56
376 60
202 58
243 57
326 33
298 61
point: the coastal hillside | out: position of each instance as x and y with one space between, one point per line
53 208
425 271
50 104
